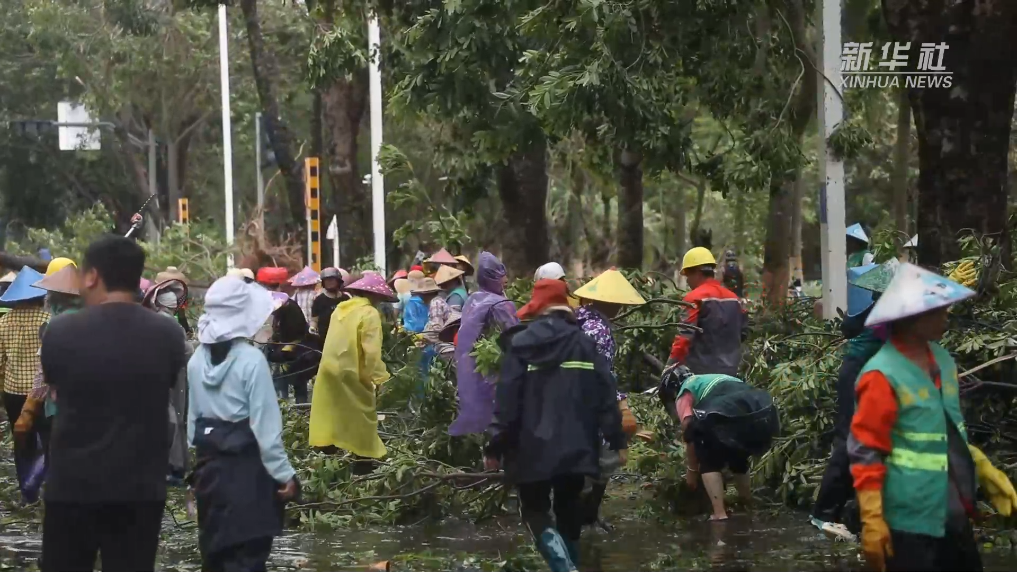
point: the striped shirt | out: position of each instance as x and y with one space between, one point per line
19 348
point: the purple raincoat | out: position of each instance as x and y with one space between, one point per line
484 308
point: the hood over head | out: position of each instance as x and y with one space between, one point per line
548 293
490 271
233 309
547 340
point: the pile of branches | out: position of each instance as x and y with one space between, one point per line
795 356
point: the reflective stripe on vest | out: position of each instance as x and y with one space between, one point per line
565 365
919 461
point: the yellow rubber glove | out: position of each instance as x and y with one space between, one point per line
997 485
875 533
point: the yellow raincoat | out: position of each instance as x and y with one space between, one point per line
343 406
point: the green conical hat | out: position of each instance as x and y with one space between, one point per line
877 279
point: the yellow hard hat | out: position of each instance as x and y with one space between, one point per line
612 287
58 264
698 256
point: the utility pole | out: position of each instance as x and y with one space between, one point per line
377 182
831 168
257 160
227 138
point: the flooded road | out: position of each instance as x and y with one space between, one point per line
769 539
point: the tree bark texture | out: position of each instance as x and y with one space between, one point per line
901 156
343 104
279 135
777 246
963 131
522 186
678 215
797 193
630 211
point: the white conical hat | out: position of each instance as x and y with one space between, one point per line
914 291
913 243
856 231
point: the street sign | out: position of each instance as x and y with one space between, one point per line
76 138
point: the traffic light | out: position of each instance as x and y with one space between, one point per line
31 127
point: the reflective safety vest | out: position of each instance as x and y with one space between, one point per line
916 488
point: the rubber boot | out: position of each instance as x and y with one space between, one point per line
555 551
591 503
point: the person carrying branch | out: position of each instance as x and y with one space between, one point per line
555 398
914 471
716 312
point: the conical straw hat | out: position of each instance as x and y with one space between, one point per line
426 286
612 287
447 274
442 257
878 279
914 291
466 262
856 231
64 281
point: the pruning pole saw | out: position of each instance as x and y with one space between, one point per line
137 220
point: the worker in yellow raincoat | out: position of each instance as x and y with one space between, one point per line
343 406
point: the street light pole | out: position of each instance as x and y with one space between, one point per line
831 167
377 182
227 139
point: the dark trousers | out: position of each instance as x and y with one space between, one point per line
282 388
837 486
535 501
956 551
126 534
26 451
251 556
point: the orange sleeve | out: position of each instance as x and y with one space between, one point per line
874 418
680 347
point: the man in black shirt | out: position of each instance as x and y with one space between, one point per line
112 365
326 302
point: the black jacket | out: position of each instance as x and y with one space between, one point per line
556 397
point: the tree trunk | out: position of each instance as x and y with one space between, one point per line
739 222
343 104
680 219
572 250
899 178
522 186
630 211
964 130
265 71
696 235
798 191
777 246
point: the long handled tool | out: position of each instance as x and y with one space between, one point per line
138 219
